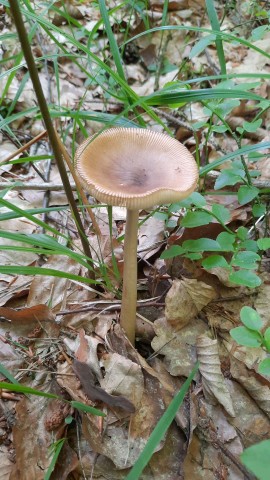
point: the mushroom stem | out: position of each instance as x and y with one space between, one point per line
129 296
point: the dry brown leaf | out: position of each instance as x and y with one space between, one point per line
251 423
30 430
178 347
37 313
185 300
251 383
6 464
214 386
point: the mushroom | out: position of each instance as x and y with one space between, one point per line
137 169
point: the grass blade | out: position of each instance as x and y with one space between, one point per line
212 15
161 428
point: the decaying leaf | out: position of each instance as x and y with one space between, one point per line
251 382
178 347
37 313
185 300
214 386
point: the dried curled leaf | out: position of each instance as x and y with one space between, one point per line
186 299
214 386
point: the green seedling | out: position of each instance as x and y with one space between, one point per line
251 334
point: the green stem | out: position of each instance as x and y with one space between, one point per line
129 297
26 48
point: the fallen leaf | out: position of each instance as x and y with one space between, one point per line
214 386
185 300
38 313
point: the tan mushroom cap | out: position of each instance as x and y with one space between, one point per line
136 168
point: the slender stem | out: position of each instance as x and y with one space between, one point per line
129 297
26 48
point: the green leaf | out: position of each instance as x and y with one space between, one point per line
246 260
229 177
201 245
196 219
222 213
160 429
252 126
215 261
8 375
193 256
264 369
258 209
87 408
22 389
172 252
247 193
242 233
249 245
256 459
201 45
263 243
246 337
246 278
266 337
220 128
226 241
56 449
250 318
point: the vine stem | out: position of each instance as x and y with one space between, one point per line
26 48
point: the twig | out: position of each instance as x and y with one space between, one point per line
35 186
24 147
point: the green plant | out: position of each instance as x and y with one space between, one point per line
233 250
252 334
256 459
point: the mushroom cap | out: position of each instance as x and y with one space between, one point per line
136 168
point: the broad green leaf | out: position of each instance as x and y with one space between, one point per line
196 219
247 193
259 209
263 243
264 369
226 241
246 278
258 32
252 126
245 336
219 128
221 212
229 177
201 245
242 233
193 256
249 245
172 252
214 261
256 459
197 199
246 260
250 318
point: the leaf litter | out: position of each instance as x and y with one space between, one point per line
84 356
